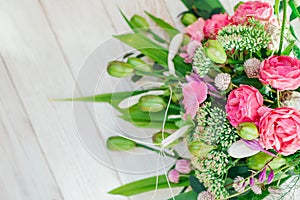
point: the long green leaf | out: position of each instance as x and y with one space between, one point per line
295 10
166 26
153 51
191 195
147 185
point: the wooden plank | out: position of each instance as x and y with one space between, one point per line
24 171
40 72
86 35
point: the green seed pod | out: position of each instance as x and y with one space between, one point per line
151 103
247 131
139 64
118 143
188 18
199 148
119 69
258 161
157 138
139 22
215 51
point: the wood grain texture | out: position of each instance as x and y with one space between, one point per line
44 151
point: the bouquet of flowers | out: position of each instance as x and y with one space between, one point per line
228 88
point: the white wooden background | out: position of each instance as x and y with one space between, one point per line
42 46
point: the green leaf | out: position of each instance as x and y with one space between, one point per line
191 195
276 7
196 185
296 51
146 185
292 30
243 79
242 171
295 10
203 8
166 26
154 51
288 49
128 21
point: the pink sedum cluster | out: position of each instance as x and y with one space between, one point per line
280 130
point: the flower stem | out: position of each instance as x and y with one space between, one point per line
278 98
156 150
285 5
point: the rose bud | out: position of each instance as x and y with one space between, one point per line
183 166
188 18
118 143
173 176
139 64
157 138
151 103
262 176
215 51
119 69
271 177
247 130
258 161
139 22
199 148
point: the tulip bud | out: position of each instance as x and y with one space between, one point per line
119 69
139 64
258 161
188 18
183 166
139 22
157 138
215 51
151 103
118 143
247 131
199 148
173 176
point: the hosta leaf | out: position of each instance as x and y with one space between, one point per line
191 195
146 185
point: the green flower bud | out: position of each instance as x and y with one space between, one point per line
157 138
118 143
258 161
247 130
188 18
139 22
215 51
139 64
151 103
119 69
199 148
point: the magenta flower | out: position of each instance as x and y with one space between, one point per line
183 166
194 93
173 176
271 177
262 176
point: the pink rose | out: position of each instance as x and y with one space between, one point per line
243 104
194 93
280 130
190 50
281 72
259 10
213 25
195 30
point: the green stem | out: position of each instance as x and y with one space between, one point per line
278 99
156 150
285 5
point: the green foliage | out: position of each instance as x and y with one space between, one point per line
191 195
146 185
196 185
295 10
154 51
243 79
204 9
